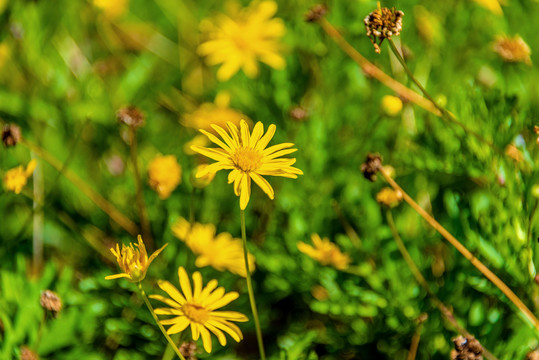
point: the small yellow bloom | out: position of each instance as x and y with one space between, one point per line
16 178
196 306
112 8
391 105
513 49
222 252
164 175
203 181
325 252
248 158
134 262
242 38
389 197
216 113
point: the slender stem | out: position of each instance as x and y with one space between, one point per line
531 267
465 252
412 353
250 288
352 234
150 307
372 70
97 199
445 115
444 310
143 215
38 219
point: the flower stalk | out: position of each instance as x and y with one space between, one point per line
250 289
150 308
464 251
143 214
76 180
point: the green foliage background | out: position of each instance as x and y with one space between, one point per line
68 68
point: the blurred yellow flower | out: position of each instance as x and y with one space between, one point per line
134 262
325 252
203 181
196 306
164 175
112 8
198 140
391 105
16 178
248 158
243 37
217 113
492 5
221 252
513 49
389 197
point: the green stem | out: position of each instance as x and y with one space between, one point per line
250 289
446 115
150 307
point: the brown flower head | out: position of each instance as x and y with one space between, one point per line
317 12
466 349
11 135
50 301
189 350
371 166
28 354
131 116
382 24
513 49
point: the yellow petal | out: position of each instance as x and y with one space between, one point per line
180 325
225 300
264 184
171 291
206 338
185 284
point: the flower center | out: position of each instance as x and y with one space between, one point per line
247 159
195 313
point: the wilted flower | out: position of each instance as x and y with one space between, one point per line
382 24
248 158
50 301
11 135
242 38
466 349
371 166
164 175
223 252
389 197
16 178
513 49
112 8
325 252
130 115
195 306
391 105
134 262
216 113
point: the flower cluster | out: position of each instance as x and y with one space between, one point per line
222 251
382 24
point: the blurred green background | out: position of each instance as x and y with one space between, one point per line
66 67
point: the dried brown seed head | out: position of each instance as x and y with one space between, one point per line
131 116
188 350
383 23
317 12
50 301
11 135
371 166
27 354
532 355
466 349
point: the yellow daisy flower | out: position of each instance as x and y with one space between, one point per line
389 197
513 49
164 175
248 158
201 182
325 252
134 262
196 307
16 178
223 252
240 39
217 113
112 8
